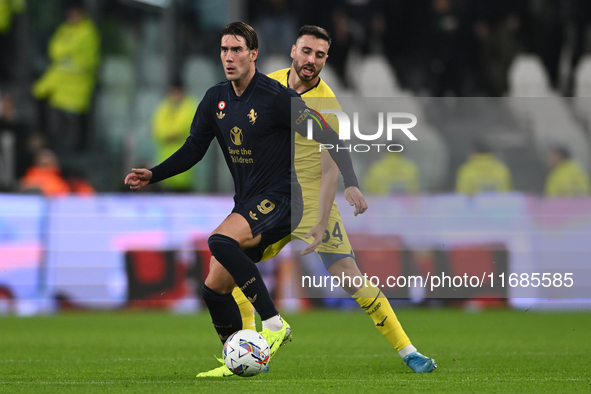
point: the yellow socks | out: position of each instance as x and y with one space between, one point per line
246 310
370 298
376 305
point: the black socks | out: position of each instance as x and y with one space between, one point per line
245 273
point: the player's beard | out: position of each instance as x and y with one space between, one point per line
304 77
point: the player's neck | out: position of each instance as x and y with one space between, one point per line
241 84
299 85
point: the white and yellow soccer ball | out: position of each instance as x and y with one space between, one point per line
246 353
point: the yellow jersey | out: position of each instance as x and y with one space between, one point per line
309 173
567 179
307 152
483 173
169 129
392 174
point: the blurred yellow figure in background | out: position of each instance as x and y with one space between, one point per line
567 178
392 174
7 9
74 51
482 173
171 121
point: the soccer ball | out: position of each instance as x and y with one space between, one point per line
246 353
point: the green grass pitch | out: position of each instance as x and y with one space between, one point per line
499 351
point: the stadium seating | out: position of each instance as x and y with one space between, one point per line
273 63
199 74
117 73
330 77
527 78
146 102
112 118
582 92
376 79
544 114
113 102
152 71
583 78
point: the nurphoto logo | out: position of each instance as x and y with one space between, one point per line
393 124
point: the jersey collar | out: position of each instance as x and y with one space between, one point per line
301 94
245 96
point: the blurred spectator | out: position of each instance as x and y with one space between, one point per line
275 23
405 39
392 174
496 26
355 23
567 178
450 48
77 182
170 127
482 172
209 18
115 21
68 84
45 176
7 40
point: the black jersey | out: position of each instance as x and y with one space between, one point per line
254 131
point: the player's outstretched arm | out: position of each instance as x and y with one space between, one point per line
354 197
138 178
326 196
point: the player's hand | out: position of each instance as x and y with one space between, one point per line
139 178
318 233
354 197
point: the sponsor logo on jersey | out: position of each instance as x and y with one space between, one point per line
236 135
253 215
220 115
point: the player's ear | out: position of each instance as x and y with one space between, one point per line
254 53
293 50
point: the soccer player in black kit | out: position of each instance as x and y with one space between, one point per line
250 115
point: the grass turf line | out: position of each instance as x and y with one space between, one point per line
492 351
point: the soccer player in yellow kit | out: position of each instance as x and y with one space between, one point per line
321 218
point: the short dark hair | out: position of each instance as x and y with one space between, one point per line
75 4
481 147
177 83
562 152
241 29
316 31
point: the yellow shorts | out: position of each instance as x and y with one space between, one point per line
335 243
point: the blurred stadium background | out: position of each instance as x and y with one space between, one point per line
515 74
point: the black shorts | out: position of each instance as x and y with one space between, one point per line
273 216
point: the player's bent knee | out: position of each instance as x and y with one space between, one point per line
210 294
345 266
222 246
220 282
